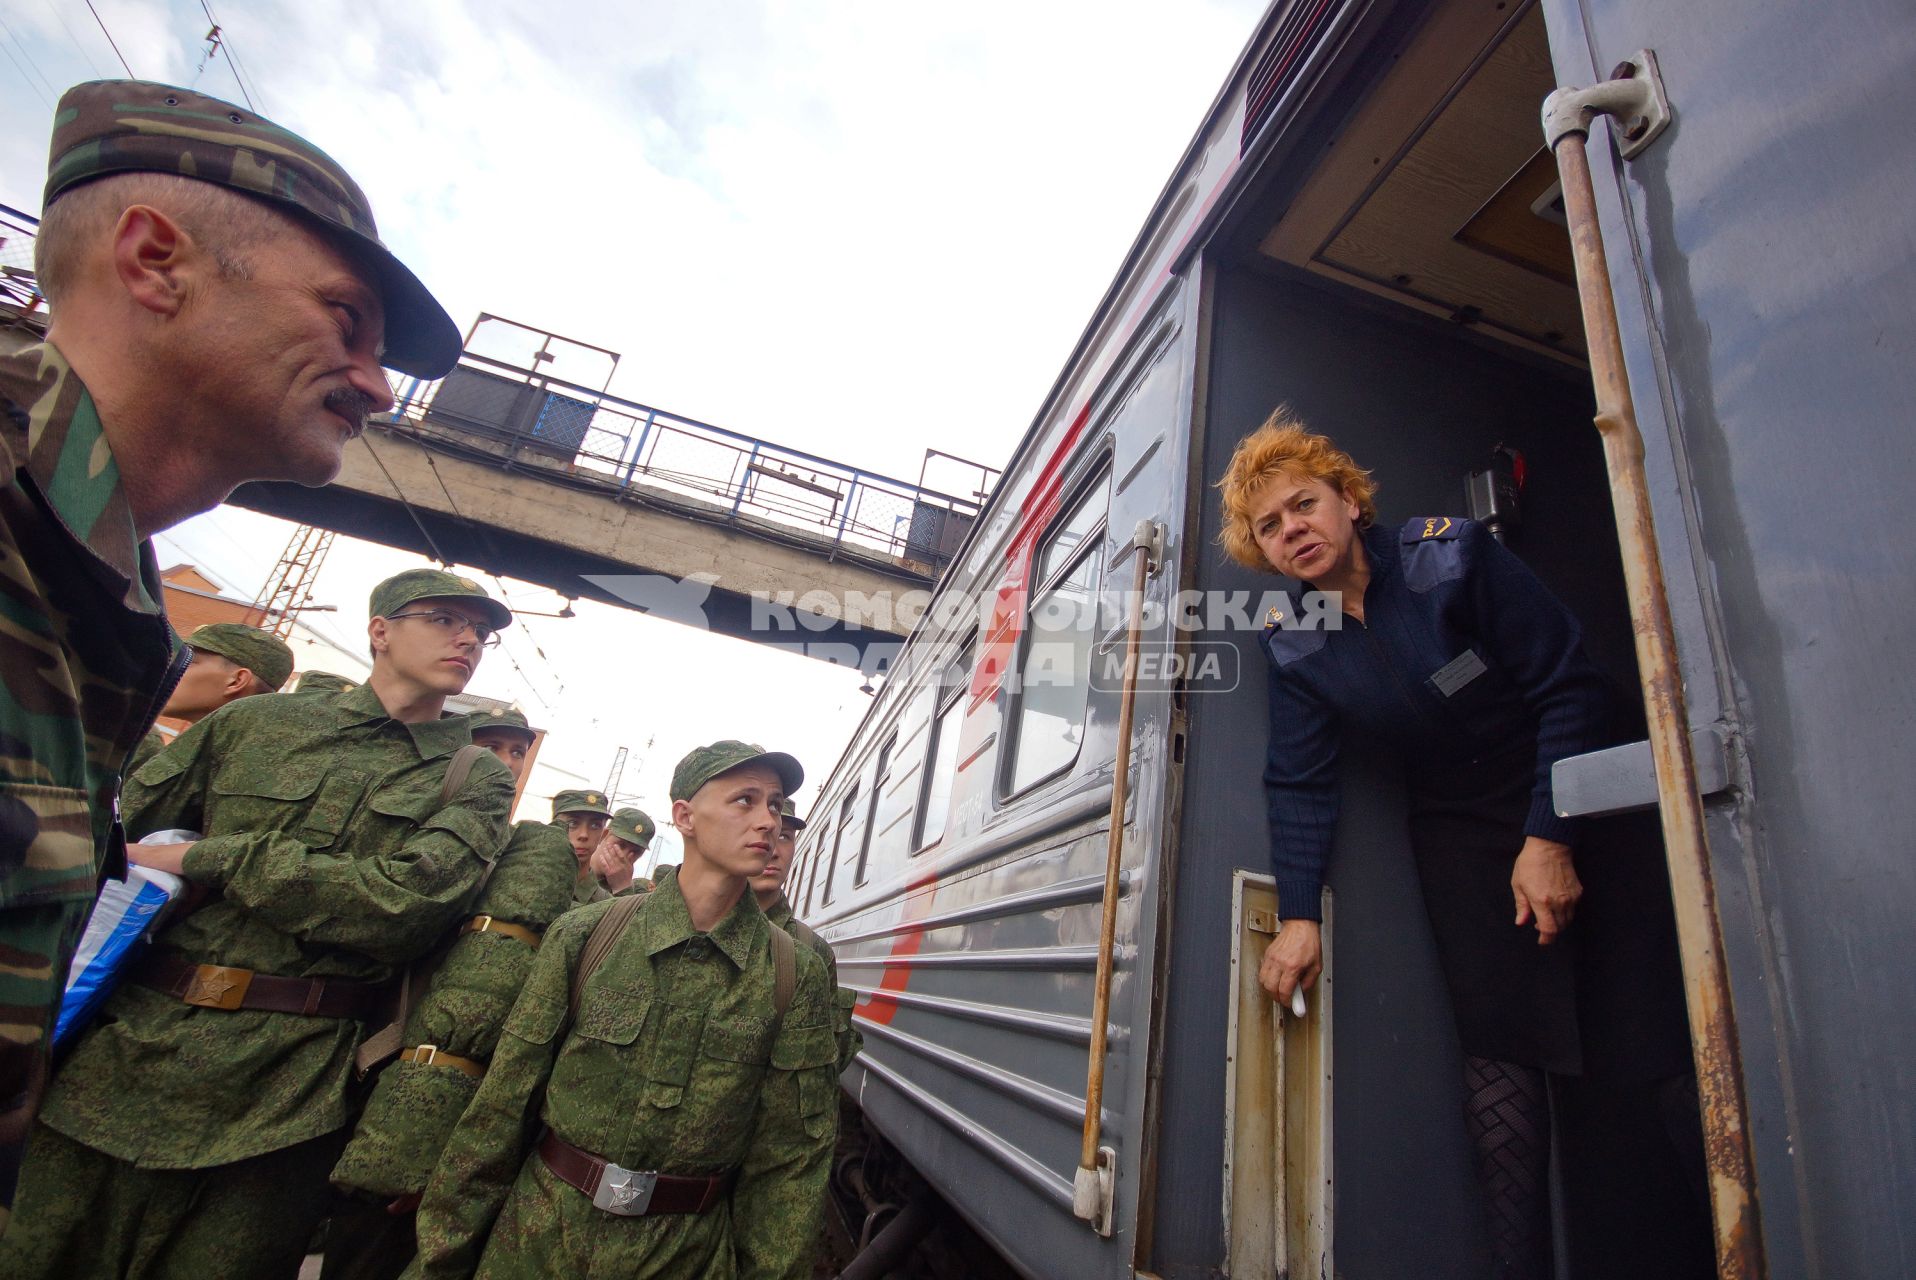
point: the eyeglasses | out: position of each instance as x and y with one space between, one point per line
454 625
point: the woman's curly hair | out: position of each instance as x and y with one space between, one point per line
1284 446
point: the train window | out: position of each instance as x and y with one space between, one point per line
851 838
821 843
1061 625
941 753
878 807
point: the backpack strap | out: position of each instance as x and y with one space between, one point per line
605 935
459 770
784 975
382 1044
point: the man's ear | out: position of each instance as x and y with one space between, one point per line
682 816
151 259
376 634
239 682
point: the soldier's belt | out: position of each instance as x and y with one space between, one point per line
629 1193
212 986
486 924
431 1055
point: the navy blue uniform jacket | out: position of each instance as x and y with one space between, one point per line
1463 655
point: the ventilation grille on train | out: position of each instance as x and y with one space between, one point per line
1280 62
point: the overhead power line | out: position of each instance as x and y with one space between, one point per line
109 39
232 58
74 36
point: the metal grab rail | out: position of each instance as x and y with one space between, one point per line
1093 1188
1634 98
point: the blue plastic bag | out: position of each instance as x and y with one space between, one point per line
125 910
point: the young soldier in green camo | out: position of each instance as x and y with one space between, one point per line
616 859
230 661
449 1036
220 301
768 886
582 815
192 1129
676 1065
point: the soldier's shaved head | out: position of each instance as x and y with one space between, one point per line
225 223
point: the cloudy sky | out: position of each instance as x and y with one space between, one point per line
861 229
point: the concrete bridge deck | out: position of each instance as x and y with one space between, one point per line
601 498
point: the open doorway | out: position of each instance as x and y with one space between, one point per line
1410 294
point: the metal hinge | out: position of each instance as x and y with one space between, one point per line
1633 97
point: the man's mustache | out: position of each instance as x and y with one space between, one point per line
354 406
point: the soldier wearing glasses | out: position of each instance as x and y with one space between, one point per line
192 1130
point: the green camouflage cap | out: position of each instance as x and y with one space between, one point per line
633 826
400 590
507 719
323 682
266 656
707 763
580 802
790 815
127 126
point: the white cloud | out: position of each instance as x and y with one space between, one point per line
854 228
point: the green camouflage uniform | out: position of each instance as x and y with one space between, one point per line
850 1041
671 1065
86 662
329 855
415 1105
149 747
322 684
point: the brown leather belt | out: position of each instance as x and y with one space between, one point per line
629 1193
213 986
431 1055
486 924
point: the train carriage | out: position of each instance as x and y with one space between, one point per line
1370 227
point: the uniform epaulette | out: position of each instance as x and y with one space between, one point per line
1422 528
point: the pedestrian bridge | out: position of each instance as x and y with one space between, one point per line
506 466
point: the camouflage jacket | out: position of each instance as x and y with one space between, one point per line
844 1000
329 855
88 657
672 1065
415 1105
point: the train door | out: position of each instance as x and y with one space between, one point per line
1762 262
1408 290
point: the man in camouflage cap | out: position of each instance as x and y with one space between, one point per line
583 815
768 886
230 661
220 310
626 839
688 1114
193 1126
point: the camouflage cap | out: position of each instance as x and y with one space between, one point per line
580 802
790 815
634 826
127 126
400 590
706 763
267 656
507 719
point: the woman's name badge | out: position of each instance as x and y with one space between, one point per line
1457 673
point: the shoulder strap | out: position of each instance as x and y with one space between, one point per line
784 975
459 770
382 1044
604 935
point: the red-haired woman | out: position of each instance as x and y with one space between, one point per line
1450 649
